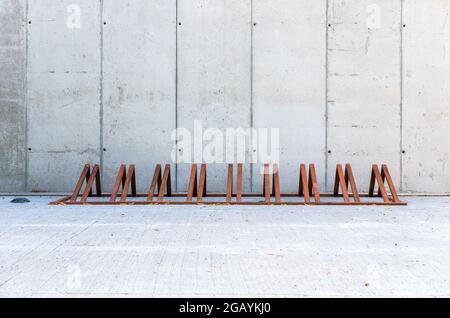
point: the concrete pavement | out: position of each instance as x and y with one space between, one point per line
219 251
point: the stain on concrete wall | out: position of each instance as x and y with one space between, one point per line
12 96
364 96
364 80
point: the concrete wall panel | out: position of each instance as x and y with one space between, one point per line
426 95
139 85
214 63
12 96
63 91
364 86
289 83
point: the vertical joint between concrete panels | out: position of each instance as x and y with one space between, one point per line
326 93
251 95
25 96
176 94
101 88
401 95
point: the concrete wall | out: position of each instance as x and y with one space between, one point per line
107 81
139 78
214 66
63 92
12 96
289 58
364 96
426 92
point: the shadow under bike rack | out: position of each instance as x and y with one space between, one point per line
160 190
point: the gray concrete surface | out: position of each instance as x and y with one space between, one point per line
364 98
426 116
12 95
139 113
333 75
225 251
63 90
214 67
289 79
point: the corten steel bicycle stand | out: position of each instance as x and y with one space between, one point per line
160 191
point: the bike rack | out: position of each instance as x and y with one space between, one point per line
160 191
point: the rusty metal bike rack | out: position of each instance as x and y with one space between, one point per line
160 191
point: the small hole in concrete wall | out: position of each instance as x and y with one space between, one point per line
104 23
104 149
329 25
179 23
329 151
29 22
403 151
404 25
254 24
29 149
